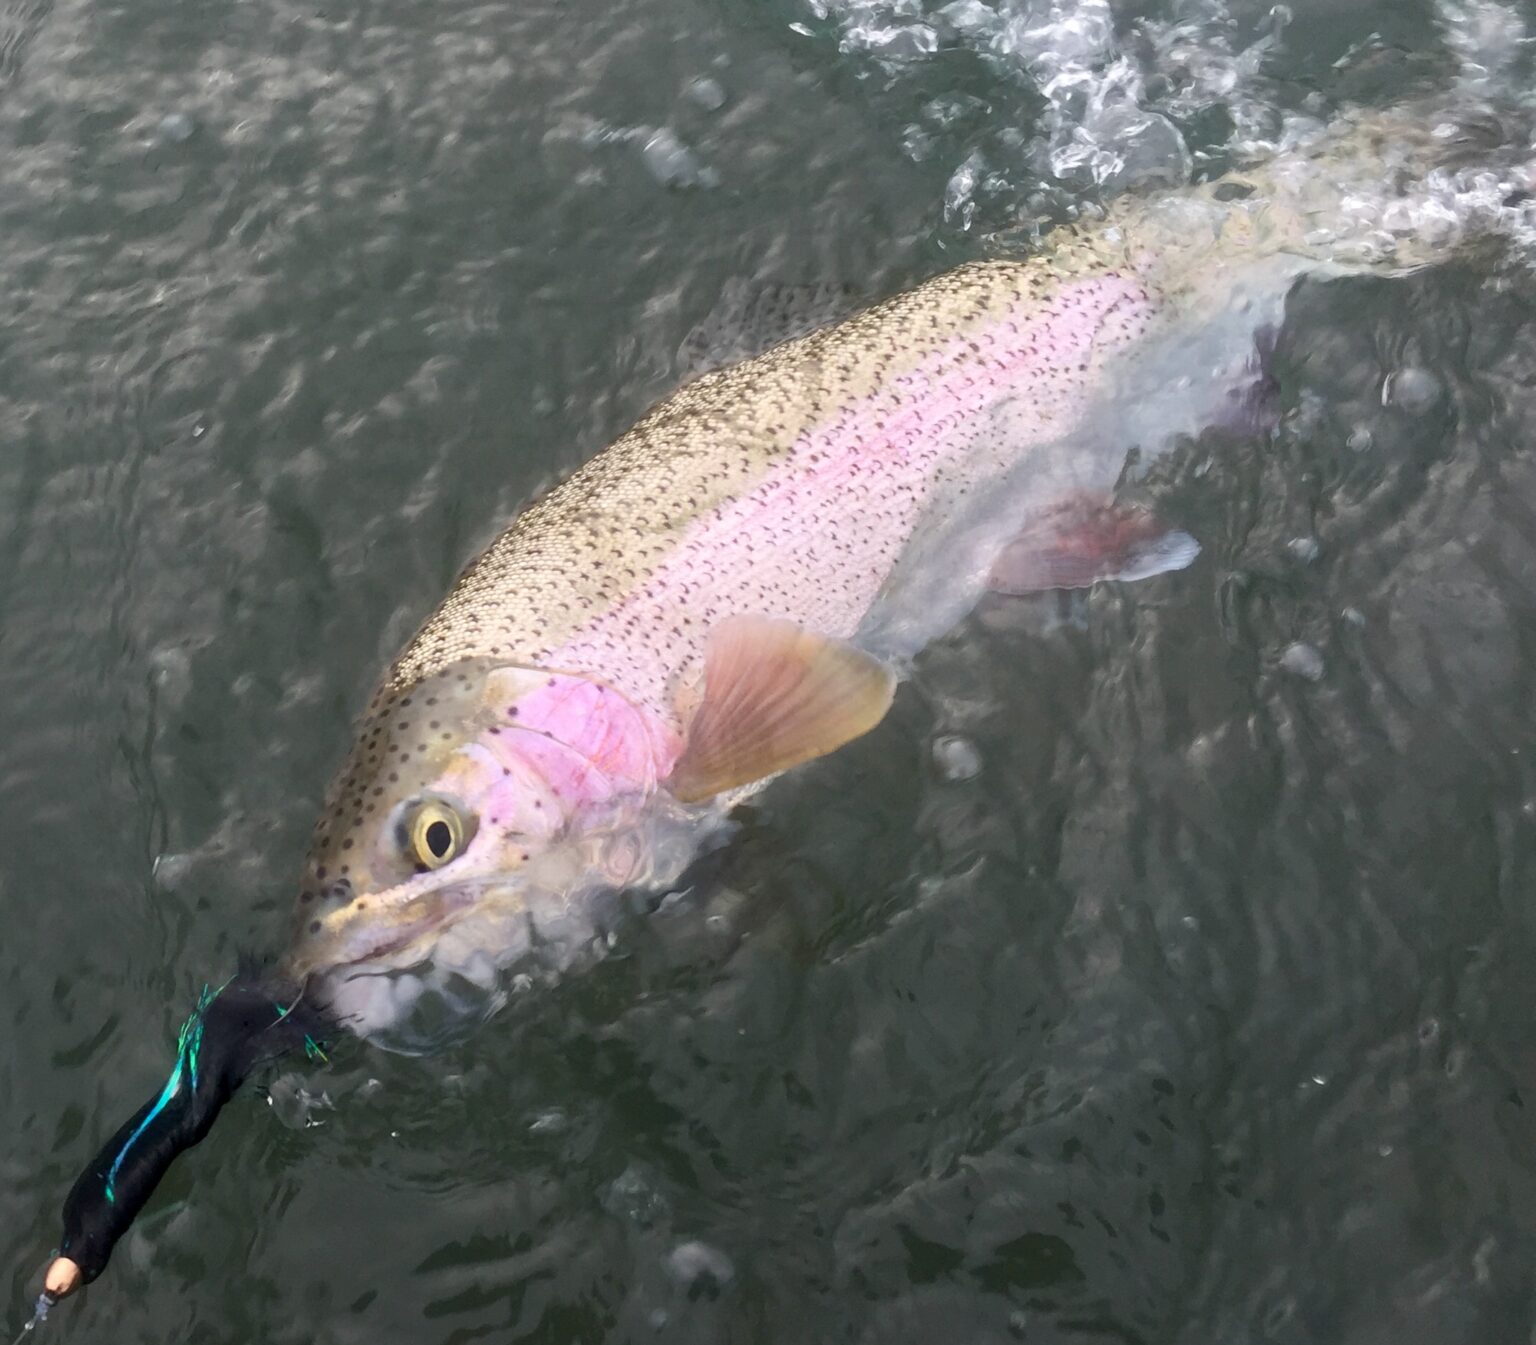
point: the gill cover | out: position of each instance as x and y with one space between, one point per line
402 808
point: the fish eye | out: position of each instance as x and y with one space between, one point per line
435 834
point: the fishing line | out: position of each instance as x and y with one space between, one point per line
45 1300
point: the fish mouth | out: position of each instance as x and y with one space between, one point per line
366 940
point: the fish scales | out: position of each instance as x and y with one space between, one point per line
784 487
570 556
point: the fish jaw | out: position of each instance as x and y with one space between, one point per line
363 939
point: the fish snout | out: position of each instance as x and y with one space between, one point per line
373 929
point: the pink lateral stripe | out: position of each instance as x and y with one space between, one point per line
817 539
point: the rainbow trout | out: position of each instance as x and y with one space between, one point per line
735 586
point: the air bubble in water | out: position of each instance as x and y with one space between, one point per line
960 192
175 128
1069 36
1304 660
294 1105
674 164
697 1266
1137 149
916 142
909 42
1413 389
956 757
706 93
169 870
971 18
949 110
632 1196
172 667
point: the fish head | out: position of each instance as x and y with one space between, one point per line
457 786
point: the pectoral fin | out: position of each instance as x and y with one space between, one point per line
775 695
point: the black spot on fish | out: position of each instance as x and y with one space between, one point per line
314 926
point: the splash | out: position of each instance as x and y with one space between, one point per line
1490 43
1075 107
1073 104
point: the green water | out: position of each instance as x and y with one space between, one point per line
1200 1012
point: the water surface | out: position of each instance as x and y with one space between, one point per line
1157 972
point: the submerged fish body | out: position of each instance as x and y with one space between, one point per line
732 586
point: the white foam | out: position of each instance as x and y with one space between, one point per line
1110 108
1114 102
1487 39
